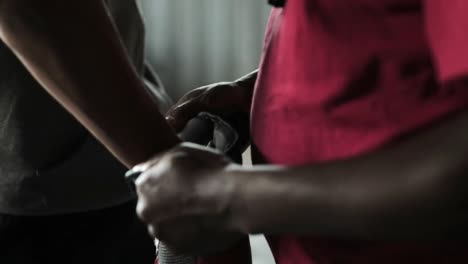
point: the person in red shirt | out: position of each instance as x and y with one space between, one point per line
359 112
360 108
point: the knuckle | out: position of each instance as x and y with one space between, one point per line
186 147
154 231
192 97
143 182
178 155
176 163
143 211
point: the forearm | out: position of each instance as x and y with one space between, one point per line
73 50
413 190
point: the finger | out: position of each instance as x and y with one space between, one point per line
143 212
156 199
148 188
150 212
181 114
157 167
144 166
147 172
182 111
153 230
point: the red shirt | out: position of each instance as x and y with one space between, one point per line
340 78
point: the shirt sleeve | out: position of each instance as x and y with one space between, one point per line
447 29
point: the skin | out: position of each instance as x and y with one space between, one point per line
81 62
365 198
226 99
192 188
191 234
83 65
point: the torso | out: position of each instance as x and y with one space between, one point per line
340 79
345 73
43 149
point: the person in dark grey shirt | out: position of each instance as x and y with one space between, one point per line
59 187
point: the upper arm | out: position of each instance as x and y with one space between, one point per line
128 21
447 30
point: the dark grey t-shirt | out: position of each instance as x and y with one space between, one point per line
49 164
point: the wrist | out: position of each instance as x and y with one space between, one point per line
254 197
235 220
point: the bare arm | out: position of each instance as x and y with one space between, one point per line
413 190
73 50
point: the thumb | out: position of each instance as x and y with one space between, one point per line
179 115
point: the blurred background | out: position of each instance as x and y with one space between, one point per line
192 43
197 42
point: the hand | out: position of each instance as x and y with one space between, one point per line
185 197
226 99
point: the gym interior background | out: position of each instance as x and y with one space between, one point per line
192 43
